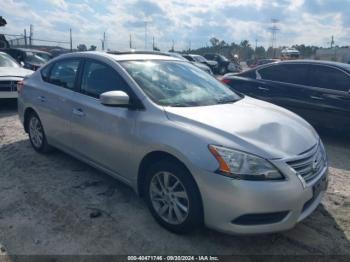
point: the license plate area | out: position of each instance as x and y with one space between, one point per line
320 186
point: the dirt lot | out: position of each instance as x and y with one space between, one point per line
47 203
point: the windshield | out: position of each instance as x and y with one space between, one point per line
199 58
223 58
34 58
44 56
172 83
7 61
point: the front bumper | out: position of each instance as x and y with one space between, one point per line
8 94
226 201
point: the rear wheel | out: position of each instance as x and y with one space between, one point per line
172 197
37 135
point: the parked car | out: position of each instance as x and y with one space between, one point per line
224 65
197 64
10 74
213 65
44 55
197 151
28 58
319 91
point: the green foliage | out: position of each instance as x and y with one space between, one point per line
246 52
82 47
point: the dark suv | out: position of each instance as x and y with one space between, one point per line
319 91
224 65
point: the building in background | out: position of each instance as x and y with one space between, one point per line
339 54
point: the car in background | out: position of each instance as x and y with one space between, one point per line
290 54
260 62
59 51
198 152
28 58
319 91
44 55
213 65
224 65
197 64
10 74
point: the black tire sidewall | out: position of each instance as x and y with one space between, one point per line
194 218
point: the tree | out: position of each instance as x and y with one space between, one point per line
155 48
260 52
2 21
82 47
92 48
214 41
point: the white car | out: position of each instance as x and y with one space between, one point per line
10 73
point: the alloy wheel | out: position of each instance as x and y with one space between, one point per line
169 198
36 132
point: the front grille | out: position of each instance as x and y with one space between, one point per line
6 86
310 164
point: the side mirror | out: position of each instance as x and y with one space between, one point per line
115 98
22 63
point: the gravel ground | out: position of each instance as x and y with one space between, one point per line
55 204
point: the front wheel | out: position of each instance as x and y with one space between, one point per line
222 70
172 197
37 135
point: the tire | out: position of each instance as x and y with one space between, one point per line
37 135
222 70
185 195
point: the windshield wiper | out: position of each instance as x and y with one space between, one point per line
226 101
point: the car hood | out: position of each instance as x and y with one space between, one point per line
201 66
14 72
249 125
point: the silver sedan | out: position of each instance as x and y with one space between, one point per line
198 152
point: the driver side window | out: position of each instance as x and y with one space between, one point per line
99 78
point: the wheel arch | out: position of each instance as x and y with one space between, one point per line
158 155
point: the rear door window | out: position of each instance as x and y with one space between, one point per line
64 73
329 78
287 73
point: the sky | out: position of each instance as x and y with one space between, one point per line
189 23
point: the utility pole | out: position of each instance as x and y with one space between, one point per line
189 46
25 38
30 35
332 41
173 46
146 35
274 29
153 43
130 42
103 41
70 39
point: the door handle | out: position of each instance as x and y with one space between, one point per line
317 97
263 88
78 112
41 98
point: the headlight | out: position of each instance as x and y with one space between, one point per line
242 165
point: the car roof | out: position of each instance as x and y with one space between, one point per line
124 56
316 62
27 50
